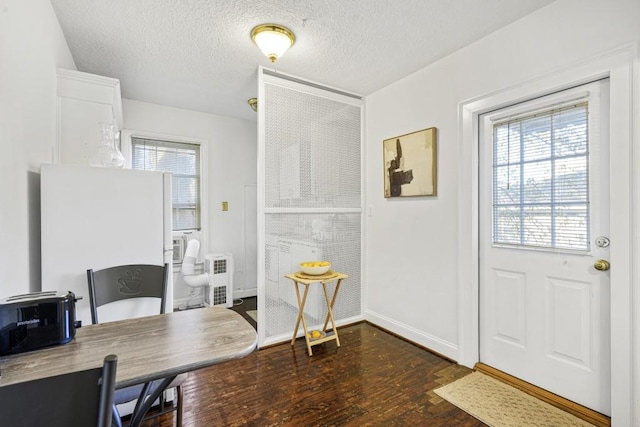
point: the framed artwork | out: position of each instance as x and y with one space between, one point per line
410 164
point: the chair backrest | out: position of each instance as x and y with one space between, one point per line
125 282
83 398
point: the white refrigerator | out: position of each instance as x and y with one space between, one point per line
97 218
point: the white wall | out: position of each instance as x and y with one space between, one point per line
413 289
31 48
232 161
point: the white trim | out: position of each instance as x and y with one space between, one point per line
127 134
443 347
310 90
363 217
245 292
274 76
261 177
635 236
56 150
91 87
72 84
618 66
553 102
94 79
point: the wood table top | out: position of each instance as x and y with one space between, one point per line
148 348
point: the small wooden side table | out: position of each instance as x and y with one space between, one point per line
301 278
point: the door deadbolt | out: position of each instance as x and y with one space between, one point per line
601 265
602 242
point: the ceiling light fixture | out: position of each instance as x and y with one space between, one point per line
273 40
253 103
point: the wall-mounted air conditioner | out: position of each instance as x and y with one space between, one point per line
180 240
220 269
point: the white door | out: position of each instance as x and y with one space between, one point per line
544 224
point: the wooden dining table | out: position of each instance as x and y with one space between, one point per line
149 348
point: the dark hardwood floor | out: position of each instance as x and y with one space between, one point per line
373 379
241 306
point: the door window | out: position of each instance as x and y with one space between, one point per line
541 179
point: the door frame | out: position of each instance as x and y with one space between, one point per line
618 65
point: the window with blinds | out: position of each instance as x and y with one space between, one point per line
541 179
183 161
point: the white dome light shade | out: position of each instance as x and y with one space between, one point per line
273 40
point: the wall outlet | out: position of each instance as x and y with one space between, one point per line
225 206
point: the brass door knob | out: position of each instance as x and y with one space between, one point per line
601 265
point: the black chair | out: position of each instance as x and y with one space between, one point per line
82 398
126 282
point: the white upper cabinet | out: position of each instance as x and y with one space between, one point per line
84 100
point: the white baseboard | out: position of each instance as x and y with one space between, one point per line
245 293
412 334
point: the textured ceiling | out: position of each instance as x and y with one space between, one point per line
198 55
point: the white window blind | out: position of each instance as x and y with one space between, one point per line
183 161
541 180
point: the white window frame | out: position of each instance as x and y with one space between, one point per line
203 234
547 105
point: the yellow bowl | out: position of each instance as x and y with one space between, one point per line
315 268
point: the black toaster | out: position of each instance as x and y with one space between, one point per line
36 320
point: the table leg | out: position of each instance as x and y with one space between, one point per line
301 304
304 321
333 301
330 311
142 408
295 330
